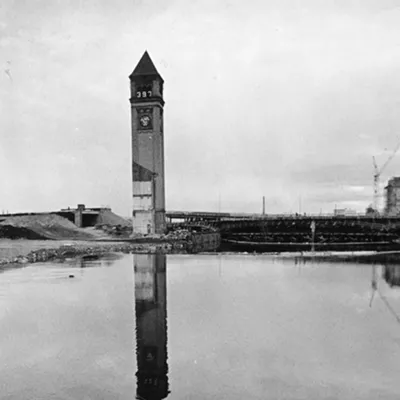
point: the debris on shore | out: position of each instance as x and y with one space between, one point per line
175 242
113 234
93 249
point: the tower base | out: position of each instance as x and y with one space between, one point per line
148 221
160 225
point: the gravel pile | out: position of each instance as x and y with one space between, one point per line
107 217
42 226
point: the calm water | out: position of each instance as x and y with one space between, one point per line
199 327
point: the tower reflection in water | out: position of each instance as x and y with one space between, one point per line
151 326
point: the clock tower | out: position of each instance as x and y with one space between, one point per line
147 106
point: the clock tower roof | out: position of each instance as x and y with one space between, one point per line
145 67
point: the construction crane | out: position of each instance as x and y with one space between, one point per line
378 173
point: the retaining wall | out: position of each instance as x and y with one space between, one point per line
209 241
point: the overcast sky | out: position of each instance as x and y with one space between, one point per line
283 98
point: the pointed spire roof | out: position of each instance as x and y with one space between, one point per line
145 67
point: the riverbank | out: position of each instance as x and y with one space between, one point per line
25 251
31 251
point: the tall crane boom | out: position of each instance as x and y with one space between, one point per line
389 159
378 172
376 184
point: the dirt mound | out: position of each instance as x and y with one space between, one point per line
107 217
13 232
41 226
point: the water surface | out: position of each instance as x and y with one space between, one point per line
197 327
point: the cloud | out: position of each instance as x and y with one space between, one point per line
270 99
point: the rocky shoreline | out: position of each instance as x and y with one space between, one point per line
62 251
26 251
93 249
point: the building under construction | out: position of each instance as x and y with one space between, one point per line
392 206
390 194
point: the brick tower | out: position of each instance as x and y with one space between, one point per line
147 148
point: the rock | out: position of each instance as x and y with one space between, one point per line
21 260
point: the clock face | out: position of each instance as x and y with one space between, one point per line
145 121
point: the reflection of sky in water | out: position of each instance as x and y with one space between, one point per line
238 327
66 338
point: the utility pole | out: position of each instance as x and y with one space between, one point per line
312 226
263 206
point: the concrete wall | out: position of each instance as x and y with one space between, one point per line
205 241
143 221
79 216
142 196
160 222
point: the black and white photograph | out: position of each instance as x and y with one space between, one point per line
200 199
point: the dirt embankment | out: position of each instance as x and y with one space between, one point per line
41 226
107 217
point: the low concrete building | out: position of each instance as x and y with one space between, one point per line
83 216
392 189
344 211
